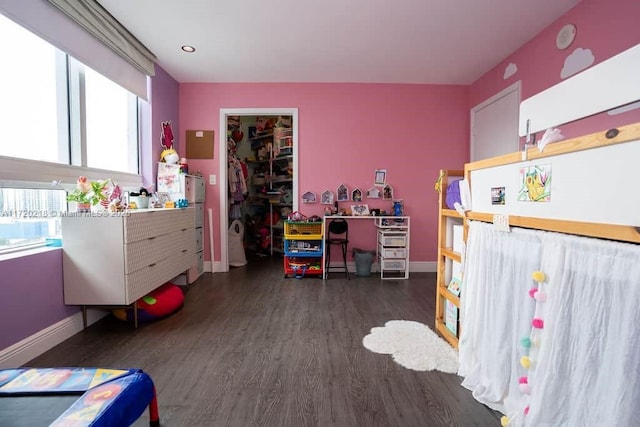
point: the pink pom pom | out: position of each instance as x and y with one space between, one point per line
526 410
537 323
524 388
523 380
532 292
540 296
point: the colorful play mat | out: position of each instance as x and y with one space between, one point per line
76 397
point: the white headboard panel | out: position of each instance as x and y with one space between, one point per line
607 85
598 185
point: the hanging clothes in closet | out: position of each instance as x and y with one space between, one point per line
238 173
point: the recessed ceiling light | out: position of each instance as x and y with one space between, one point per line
188 49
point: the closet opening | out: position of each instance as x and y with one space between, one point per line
258 152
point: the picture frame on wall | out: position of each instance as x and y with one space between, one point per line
387 192
356 195
374 193
380 177
343 193
327 197
359 210
309 197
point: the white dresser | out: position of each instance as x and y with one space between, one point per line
114 259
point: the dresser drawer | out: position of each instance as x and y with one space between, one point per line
154 249
393 239
199 213
141 282
393 264
199 239
392 252
154 222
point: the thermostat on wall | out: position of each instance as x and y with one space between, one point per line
565 36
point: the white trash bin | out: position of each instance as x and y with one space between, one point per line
237 257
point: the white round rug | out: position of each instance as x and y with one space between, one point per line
412 345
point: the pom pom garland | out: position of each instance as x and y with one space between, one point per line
540 296
523 380
532 292
524 388
525 342
538 276
537 323
526 410
525 362
504 421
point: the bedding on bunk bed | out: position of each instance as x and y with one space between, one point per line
580 343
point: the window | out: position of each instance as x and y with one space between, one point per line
59 119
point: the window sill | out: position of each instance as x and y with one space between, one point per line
27 252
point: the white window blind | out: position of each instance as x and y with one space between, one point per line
52 24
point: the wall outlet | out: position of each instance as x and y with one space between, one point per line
501 222
212 180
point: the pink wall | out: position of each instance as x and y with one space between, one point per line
607 27
346 131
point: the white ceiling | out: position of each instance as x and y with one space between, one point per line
362 41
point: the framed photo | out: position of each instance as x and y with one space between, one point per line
356 195
309 197
380 177
163 197
327 197
387 192
359 210
343 193
374 193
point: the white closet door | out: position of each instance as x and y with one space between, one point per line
494 125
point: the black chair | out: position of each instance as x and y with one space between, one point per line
337 234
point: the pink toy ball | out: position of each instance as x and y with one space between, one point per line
537 323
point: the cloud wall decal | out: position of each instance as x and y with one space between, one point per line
580 59
510 70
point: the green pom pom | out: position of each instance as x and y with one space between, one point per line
525 342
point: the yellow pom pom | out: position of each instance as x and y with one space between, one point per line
538 276
504 421
525 362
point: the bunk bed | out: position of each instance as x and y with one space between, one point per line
550 298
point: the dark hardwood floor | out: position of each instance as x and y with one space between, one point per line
251 348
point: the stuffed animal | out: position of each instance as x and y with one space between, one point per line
169 154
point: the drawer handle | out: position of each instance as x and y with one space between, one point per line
185 251
152 265
151 238
184 229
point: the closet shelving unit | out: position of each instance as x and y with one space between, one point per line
278 192
447 258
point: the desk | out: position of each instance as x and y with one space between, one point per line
392 248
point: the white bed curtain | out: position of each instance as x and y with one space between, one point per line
585 361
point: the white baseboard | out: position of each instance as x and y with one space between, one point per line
414 267
31 347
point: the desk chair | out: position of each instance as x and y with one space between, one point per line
337 234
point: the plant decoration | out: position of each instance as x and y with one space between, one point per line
91 192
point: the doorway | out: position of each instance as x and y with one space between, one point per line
223 182
494 125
